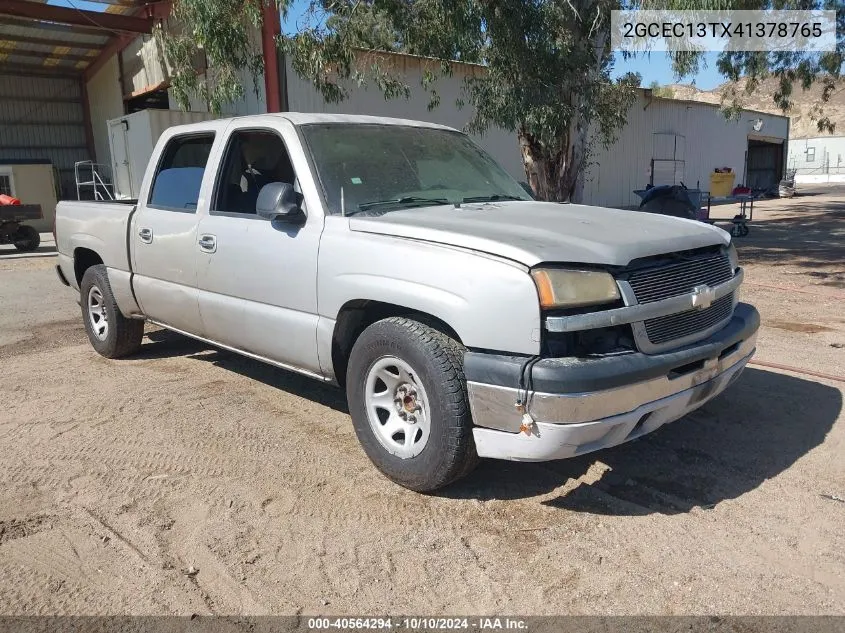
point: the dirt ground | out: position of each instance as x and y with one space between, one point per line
119 477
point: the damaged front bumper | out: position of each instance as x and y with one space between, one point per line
583 405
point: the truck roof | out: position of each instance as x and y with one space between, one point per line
305 118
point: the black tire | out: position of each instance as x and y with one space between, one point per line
26 238
449 452
122 336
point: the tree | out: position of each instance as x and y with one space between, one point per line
790 69
657 90
548 70
217 35
547 63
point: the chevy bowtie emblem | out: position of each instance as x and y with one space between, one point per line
702 297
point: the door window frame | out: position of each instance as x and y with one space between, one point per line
180 137
221 167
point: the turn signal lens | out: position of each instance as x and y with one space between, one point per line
573 288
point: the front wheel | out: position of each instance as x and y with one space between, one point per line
408 400
110 333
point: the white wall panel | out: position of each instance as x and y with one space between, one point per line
828 155
105 101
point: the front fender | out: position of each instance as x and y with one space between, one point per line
489 302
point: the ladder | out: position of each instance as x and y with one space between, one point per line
89 181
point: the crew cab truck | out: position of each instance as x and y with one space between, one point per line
396 259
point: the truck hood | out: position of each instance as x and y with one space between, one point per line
535 232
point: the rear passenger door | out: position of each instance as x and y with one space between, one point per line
257 279
163 237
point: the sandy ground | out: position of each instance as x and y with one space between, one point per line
118 477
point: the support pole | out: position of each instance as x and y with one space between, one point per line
270 28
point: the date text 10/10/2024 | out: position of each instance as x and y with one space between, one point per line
417 623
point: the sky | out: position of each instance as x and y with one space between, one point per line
84 5
657 67
653 67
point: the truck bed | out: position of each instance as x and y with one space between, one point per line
99 226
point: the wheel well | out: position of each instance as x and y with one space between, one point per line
356 316
83 259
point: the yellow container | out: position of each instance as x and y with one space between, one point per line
721 184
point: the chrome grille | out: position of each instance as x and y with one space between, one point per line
680 278
654 284
676 326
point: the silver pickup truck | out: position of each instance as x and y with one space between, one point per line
396 259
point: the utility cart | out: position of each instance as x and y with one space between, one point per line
739 221
680 201
13 231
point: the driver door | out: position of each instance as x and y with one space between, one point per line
257 280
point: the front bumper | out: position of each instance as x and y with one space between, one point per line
583 405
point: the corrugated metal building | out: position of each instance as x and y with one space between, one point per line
43 118
47 54
667 141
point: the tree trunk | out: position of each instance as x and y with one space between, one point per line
555 173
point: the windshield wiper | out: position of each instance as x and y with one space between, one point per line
407 201
492 198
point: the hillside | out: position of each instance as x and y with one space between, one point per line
801 125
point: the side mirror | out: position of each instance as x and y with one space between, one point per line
278 201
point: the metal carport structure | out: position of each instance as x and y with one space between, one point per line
47 53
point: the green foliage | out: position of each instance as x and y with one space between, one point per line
219 36
664 92
546 68
792 70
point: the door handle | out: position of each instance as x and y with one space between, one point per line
208 243
146 235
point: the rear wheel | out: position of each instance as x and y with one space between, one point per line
26 238
110 333
408 401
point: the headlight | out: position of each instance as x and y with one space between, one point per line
733 258
571 288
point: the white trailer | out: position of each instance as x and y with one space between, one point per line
131 141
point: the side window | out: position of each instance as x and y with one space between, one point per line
253 158
179 175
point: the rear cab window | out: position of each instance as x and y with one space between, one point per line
178 178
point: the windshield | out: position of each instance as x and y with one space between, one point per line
379 168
